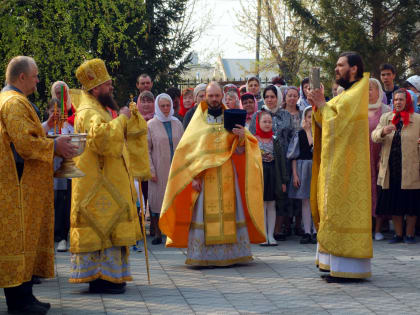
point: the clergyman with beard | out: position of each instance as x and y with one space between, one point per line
213 202
104 220
340 188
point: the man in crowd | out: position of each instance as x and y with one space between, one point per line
340 189
387 77
144 83
220 209
26 189
104 220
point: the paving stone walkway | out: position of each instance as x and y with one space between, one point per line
281 280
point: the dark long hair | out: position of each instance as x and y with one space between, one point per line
354 59
270 88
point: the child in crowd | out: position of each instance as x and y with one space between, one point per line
300 152
274 168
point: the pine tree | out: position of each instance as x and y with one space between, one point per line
381 31
132 37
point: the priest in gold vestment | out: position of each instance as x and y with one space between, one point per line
104 219
213 201
340 189
26 189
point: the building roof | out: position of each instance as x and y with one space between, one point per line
242 68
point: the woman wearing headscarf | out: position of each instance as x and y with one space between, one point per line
303 91
145 105
56 93
376 109
164 133
253 87
399 171
186 101
248 103
199 95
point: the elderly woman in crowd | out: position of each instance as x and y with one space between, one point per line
253 87
164 133
249 103
399 170
376 109
231 99
283 133
56 93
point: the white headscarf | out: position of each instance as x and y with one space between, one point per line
54 95
381 94
158 113
279 100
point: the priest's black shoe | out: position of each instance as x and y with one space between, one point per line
33 309
106 287
331 279
157 241
47 306
306 239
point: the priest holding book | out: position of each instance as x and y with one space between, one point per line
213 201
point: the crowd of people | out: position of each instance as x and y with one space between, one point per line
211 189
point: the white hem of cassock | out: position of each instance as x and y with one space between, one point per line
343 267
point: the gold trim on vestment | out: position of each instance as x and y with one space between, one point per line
218 263
201 148
101 267
323 266
219 205
101 276
352 275
200 226
122 204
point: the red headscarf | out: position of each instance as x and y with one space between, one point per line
182 109
406 112
259 132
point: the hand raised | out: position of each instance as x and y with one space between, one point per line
316 97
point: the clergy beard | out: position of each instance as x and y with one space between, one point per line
344 81
215 109
107 100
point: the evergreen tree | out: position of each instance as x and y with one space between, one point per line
60 35
381 31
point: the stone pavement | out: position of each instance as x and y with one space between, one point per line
281 280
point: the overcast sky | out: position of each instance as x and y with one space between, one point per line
222 35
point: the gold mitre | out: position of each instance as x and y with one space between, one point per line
92 73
